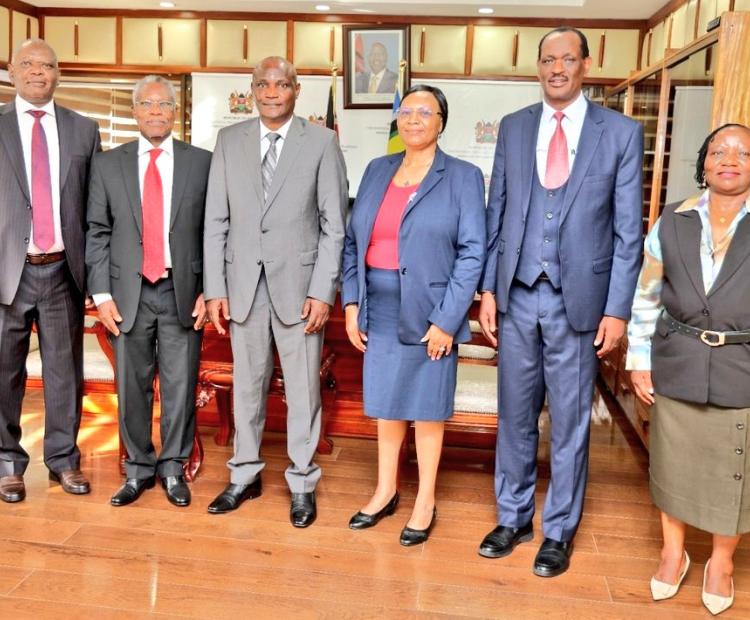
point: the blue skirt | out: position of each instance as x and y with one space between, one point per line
400 381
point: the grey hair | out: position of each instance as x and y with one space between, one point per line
154 79
291 71
28 42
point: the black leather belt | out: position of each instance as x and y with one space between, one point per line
45 259
706 336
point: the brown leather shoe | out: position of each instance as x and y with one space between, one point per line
12 489
72 481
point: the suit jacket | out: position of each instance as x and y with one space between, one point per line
387 83
441 245
600 233
114 246
79 140
296 236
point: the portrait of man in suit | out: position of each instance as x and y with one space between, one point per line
144 252
45 152
274 236
379 79
564 248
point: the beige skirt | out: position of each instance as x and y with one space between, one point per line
699 464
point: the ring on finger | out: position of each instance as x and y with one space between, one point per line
441 349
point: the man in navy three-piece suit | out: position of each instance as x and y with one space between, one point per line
563 255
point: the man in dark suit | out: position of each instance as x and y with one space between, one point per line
144 251
45 151
564 247
274 236
379 79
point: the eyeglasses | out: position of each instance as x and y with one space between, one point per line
164 106
423 113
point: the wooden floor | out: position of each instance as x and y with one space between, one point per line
77 557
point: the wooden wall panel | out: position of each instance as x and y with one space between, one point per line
180 41
709 10
742 5
444 49
620 52
528 49
492 50
4 34
678 30
732 75
312 45
657 43
225 42
23 27
97 38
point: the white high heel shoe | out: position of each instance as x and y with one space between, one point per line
661 591
714 602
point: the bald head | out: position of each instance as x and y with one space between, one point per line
278 63
33 71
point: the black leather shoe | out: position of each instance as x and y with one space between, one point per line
503 539
553 558
178 492
303 510
132 490
410 537
233 495
361 520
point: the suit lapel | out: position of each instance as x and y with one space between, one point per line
688 229
129 164
65 140
528 144
292 145
739 248
591 133
180 176
251 149
433 177
10 136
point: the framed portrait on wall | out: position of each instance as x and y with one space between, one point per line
372 58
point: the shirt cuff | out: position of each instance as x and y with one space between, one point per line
100 298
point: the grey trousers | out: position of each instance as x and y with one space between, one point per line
46 295
157 340
252 348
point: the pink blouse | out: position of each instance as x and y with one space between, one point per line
382 253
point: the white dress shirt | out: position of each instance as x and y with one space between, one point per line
282 131
165 165
49 124
572 124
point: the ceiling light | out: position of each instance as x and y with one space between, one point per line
166 5
485 10
322 7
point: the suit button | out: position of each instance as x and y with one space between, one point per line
25 239
738 476
258 262
28 207
140 241
264 230
706 312
139 274
403 271
740 426
548 215
738 450
518 250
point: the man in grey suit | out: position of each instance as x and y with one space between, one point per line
273 240
379 79
144 251
563 254
45 151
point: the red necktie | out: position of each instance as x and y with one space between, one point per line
557 157
41 186
153 221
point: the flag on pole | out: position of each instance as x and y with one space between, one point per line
395 143
331 120
359 54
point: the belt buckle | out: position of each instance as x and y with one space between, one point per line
718 338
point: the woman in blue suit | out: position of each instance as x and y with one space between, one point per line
414 252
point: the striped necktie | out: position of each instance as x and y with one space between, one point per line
268 166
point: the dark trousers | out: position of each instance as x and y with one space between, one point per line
157 340
48 296
540 353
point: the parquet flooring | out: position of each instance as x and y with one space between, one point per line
77 557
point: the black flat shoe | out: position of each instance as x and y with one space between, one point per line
177 490
303 510
553 558
362 521
233 495
410 536
132 490
503 539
